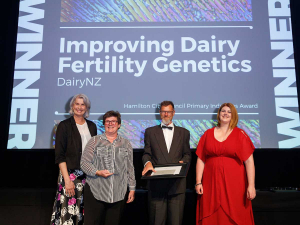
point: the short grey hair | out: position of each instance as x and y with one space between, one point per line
86 102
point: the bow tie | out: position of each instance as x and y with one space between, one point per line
170 128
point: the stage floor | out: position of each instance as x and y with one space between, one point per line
34 207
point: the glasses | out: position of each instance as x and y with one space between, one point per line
168 112
113 122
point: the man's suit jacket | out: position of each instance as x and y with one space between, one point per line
157 153
68 146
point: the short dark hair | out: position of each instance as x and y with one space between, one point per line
110 114
166 103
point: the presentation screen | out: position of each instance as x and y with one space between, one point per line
131 55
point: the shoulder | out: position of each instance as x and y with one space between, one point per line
184 130
124 141
208 132
96 139
243 138
99 137
90 123
152 129
66 122
241 133
210 129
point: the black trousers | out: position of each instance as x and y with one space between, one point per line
101 213
165 209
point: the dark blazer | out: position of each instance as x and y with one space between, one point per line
68 145
156 152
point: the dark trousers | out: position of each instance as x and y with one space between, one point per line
165 209
101 213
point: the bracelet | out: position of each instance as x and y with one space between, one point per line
197 184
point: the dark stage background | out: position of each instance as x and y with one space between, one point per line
29 177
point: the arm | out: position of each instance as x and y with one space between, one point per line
60 157
199 173
69 185
61 140
130 173
147 156
250 170
92 128
87 158
186 149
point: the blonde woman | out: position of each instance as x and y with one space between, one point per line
71 137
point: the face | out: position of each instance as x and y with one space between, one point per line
79 107
166 114
225 115
111 125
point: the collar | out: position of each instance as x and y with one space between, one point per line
73 120
170 125
103 136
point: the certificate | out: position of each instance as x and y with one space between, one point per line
177 170
166 170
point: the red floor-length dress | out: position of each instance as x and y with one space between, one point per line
224 200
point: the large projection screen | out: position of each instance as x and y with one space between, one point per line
130 55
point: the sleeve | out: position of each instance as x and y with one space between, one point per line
94 133
61 143
147 156
247 147
87 158
92 127
200 152
130 171
186 148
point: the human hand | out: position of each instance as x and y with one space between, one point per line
251 192
103 173
130 196
199 189
148 167
180 161
69 188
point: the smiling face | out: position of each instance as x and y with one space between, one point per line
111 125
225 115
79 108
166 114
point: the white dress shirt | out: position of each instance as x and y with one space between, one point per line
168 134
84 134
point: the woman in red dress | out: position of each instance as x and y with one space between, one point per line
225 173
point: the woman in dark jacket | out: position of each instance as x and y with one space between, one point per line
71 137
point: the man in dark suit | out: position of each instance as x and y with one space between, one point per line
165 144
